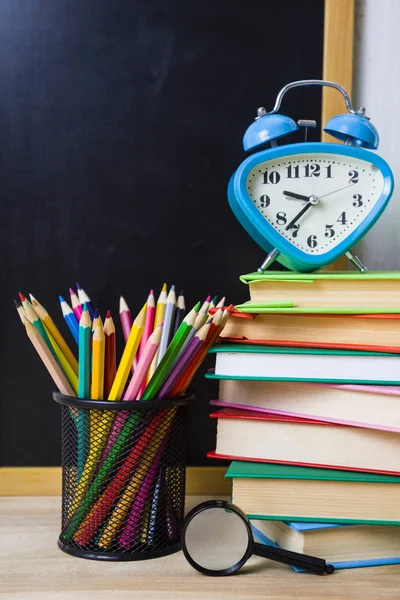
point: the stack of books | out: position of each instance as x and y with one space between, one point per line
309 413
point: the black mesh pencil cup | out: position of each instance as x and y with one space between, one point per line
123 477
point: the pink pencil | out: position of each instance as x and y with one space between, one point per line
76 305
147 331
197 341
134 386
125 316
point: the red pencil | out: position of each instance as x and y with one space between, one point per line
110 358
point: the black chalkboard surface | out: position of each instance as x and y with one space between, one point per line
120 124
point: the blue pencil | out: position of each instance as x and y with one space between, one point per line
83 297
70 319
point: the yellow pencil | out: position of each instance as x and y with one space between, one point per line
51 327
98 352
158 318
48 359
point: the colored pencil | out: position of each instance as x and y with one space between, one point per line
167 324
134 386
213 302
159 317
64 364
198 323
206 305
195 344
34 319
179 312
128 355
70 319
221 303
48 359
98 355
110 360
51 327
172 352
84 298
76 305
85 339
20 309
149 323
125 316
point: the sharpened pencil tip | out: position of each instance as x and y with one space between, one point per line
22 297
172 288
17 303
78 287
96 314
197 306
85 308
71 292
108 314
151 292
181 293
61 299
208 299
164 288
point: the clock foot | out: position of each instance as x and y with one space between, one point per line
356 261
269 260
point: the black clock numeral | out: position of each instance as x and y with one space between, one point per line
293 172
329 171
281 218
353 176
312 170
271 177
357 200
342 219
329 231
265 201
295 230
312 241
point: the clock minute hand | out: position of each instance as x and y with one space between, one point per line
296 196
297 217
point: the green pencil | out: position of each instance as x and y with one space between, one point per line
85 334
172 352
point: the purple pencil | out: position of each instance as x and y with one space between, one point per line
83 297
197 341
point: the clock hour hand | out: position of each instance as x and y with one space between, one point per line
296 196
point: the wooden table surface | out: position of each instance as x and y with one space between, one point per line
33 568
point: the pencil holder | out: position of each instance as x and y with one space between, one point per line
123 477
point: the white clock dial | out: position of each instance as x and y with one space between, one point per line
315 201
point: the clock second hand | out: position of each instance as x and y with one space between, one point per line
339 190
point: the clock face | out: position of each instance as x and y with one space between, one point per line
315 201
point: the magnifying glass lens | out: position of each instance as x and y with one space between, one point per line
217 539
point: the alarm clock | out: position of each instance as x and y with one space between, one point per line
306 204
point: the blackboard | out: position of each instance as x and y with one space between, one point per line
120 124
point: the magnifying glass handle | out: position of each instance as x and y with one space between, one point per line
301 561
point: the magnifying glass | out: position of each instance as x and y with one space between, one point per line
217 540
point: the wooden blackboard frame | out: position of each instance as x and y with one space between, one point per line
337 66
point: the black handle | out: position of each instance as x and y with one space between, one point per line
302 561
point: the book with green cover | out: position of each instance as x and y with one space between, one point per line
239 468
289 493
276 363
331 292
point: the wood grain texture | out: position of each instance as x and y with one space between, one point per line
46 481
33 568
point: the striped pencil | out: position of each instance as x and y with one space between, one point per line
110 359
158 319
51 327
76 305
195 344
167 324
170 355
84 298
70 319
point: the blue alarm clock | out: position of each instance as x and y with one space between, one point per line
307 204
